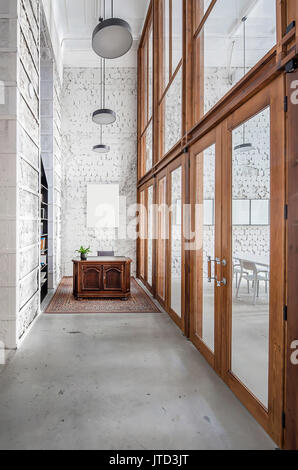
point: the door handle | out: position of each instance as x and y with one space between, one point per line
220 263
210 278
221 283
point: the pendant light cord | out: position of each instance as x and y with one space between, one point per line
104 83
102 78
101 73
112 8
104 66
244 43
244 60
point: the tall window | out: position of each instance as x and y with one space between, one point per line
170 97
146 101
228 43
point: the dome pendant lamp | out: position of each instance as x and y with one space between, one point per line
112 38
101 148
103 116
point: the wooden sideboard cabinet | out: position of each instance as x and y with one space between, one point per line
102 277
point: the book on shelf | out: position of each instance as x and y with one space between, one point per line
43 243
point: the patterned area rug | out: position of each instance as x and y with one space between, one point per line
64 302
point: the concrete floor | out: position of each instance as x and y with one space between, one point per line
118 382
250 337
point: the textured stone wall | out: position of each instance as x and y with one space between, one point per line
28 168
19 167
57 183
8 171
81 96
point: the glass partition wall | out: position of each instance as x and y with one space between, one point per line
203 164
170 260
176 239
229 43
176 273
171 78
218 127
142 235
254 253
146 235
251 253
146 107
162 237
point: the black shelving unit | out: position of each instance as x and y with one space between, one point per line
44 238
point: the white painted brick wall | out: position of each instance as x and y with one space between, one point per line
8 173
81 96
28 167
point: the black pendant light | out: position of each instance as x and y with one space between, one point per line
101 148
103 116
245 146
112 38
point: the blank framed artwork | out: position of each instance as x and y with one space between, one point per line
241 212
260 210
209 208
103 203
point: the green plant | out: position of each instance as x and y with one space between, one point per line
83 251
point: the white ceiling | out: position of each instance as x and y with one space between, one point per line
76 19
224 32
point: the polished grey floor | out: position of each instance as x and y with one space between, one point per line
118 382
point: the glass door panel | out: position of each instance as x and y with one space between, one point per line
162 238
176 240
204 286
142 230
150 235
253 244
237 275
251 254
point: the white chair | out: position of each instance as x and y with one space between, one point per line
251 273
236 270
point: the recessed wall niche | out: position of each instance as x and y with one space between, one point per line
50 136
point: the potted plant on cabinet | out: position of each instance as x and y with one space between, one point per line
84 253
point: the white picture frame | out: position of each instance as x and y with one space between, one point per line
103 202
260 212
241 212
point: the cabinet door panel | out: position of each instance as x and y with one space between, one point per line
91 278
113 278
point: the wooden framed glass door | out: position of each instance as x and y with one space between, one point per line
237 276
253 245
176 252
142 235
162 237
205 273
146 238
